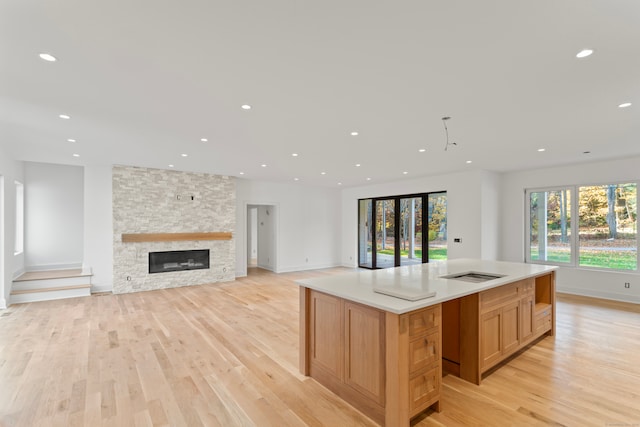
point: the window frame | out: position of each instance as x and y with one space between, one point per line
575 224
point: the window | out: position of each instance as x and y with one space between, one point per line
604 235
391 232
19 240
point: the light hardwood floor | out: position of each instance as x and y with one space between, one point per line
227 355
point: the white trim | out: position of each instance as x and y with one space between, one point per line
599 294
95 289
3 304
306 267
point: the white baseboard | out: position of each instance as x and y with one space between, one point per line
18 273
96 289
306 267
599 294
241 274
3 303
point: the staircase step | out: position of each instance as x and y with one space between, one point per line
53 274
47 294
57 288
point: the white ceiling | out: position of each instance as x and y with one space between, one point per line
144 80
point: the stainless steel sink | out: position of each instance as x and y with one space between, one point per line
473 276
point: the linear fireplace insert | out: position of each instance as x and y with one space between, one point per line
162 262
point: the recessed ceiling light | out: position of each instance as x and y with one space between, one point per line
184 155
469 161
241 173
71 140
542 149
422 150
170 166
294 154
584 53
368 179
64 116
263 165
76 155
354 133
339 183
357 165
405 173
48 57
624 105
323 173
204 139
246 107
296 179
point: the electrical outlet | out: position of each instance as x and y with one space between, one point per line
457 240
627 285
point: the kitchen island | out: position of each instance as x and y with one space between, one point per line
384 354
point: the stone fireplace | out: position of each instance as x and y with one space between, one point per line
171 203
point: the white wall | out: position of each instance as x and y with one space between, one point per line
471 196
98 227
307 225
10 265
267 232
54 215
573 280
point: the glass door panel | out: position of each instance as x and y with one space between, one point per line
385 233
411 231
365 233
437 220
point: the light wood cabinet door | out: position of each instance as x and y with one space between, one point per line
326 334
490 338
527 318
510 328
364 350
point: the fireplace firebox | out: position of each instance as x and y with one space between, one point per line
163 262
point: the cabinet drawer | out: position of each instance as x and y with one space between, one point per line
424 351
496 297
543 321
527 286
423 320
423 388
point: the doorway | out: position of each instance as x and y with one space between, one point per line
261 237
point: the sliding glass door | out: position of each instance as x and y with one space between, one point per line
392 231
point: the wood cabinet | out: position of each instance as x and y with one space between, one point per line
387 365
483 329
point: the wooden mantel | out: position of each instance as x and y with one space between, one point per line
174 237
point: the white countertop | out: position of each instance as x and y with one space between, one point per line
359 284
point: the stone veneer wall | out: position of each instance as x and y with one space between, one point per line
160 201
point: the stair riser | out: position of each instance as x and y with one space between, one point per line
51 295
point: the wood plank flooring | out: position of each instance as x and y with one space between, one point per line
227 355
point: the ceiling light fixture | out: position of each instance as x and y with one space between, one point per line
624 105
422 150
184 155
469 161
584 53
246 107
241 173
71 140
354 133
263 165
294 154
542 149
405 173
76 155
170 166
323 173
48 57
204 139
296 179
339 183
357 165
446 130
368 179
64 116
